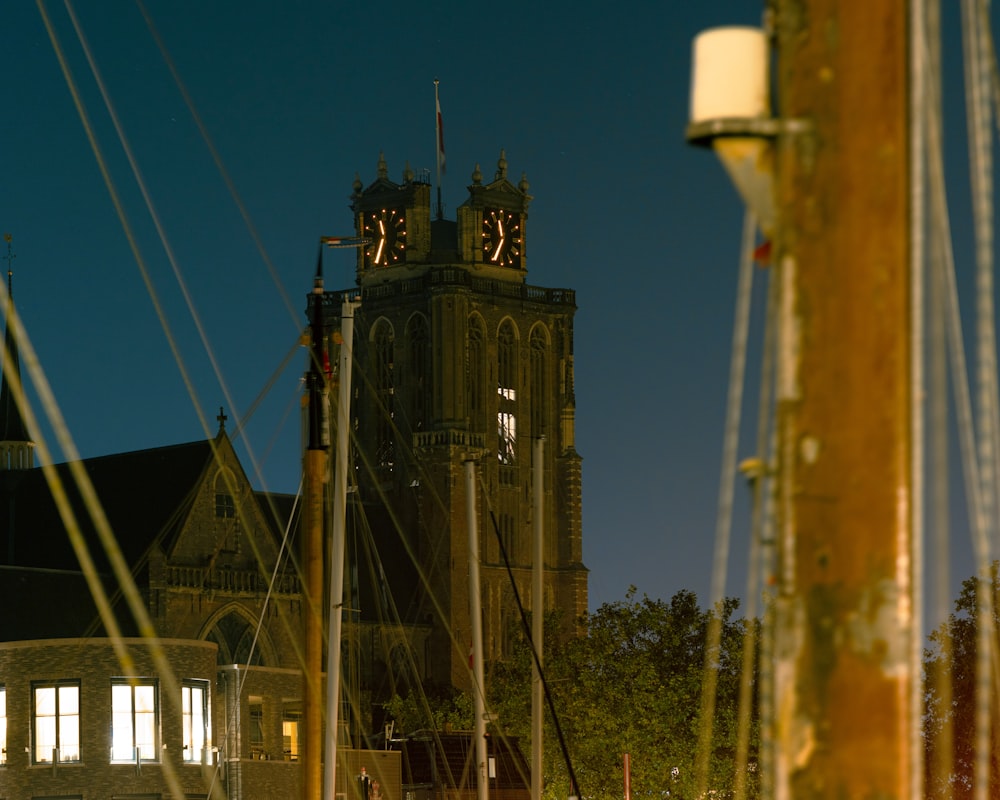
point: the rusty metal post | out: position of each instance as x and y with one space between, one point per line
315 471
845 618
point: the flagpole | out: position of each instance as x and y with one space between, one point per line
439 147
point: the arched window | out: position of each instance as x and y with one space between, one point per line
476 374
539 346
418 341
507 394
383 341
237 641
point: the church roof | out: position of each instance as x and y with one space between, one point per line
145 495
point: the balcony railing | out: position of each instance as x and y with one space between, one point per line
457 277
229 581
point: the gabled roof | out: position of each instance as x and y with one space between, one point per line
145 495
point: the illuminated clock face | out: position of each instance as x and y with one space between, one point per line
502 237
386 230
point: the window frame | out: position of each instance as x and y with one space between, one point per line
291 730
188 744
138 718
65 723
507 394
256 737
3 725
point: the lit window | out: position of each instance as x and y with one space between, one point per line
290 728
256 727
56 722
134 722
3 724
194 710
507 394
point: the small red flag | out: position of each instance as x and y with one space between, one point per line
762 253
440 131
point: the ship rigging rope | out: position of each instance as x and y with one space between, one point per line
283 553
727 480
759 478
575 790
105 534
980 157
124 577
119 566
220 166
167 248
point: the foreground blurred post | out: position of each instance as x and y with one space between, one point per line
843 674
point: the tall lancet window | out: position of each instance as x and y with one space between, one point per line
476 374
539 347
507 394
418 341
383 342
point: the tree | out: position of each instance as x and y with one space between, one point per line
632 685
950 698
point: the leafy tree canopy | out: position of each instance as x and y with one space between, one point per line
631 684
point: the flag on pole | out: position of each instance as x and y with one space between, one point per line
440 132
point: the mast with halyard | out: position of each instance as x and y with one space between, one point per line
316 466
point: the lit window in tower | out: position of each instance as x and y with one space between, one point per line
507 394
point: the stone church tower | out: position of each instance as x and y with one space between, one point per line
457 357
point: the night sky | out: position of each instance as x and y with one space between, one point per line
588 99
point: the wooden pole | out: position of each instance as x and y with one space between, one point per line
314 484
843 678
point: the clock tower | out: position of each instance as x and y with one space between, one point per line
458 357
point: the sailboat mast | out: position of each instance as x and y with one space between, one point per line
338 547
314 481
476 620
845 612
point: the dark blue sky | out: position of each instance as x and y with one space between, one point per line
589 99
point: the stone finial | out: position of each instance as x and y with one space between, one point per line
477 175
523 184
383 169
502 165
357 185
408 173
